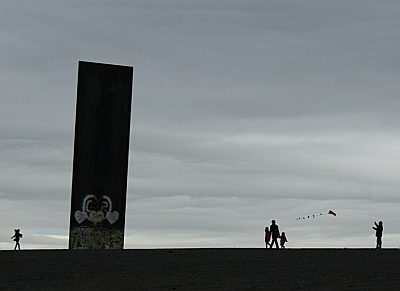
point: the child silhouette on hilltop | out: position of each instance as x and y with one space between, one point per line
267 236
283 240
17 236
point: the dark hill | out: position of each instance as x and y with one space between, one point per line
201 269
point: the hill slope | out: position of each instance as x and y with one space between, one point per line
201 269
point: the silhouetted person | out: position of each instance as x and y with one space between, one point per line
17 236
283 240
378 233
274 234
267 236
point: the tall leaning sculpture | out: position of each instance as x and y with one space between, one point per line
101 150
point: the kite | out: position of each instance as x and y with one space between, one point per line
315 215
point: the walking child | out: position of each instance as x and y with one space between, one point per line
267 237
283 240
17 236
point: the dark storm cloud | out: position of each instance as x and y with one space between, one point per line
242 111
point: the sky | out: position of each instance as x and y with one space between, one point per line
243 112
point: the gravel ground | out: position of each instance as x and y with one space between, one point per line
201 269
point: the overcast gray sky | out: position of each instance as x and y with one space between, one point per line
243 112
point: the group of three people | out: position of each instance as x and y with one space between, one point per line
273 232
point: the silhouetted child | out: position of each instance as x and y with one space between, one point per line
267 237
17 236
274 234
283 240
378 233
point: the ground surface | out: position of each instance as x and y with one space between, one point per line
201 269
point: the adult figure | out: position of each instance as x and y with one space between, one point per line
17 236
378 233
274 234
267 236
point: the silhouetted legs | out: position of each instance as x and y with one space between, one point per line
378 242
17 245
276 243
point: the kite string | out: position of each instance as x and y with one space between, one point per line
315 215
309 216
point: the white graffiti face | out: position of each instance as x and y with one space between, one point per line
96 210
96 216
